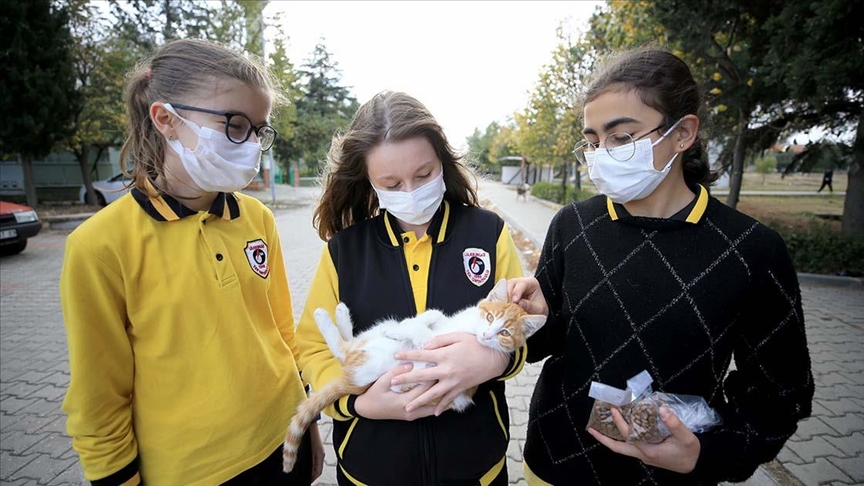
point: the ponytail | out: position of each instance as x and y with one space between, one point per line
143 151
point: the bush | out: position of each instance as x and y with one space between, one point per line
821 249
551 191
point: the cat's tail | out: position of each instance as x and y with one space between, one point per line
308 410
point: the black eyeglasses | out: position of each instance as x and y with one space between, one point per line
238 127
620 145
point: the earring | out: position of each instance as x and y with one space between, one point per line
682 145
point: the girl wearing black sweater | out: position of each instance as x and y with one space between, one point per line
656 275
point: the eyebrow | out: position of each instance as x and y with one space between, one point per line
611 124
423 166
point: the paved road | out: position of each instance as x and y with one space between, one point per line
828 448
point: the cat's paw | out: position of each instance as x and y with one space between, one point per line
343 315
322 318
461 402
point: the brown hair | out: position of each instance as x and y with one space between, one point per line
664 83
175 73
388 117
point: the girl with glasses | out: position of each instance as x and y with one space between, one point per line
175 298
656 275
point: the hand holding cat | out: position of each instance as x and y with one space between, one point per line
526 292
678 453
379 402
461 363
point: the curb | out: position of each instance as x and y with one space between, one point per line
831 281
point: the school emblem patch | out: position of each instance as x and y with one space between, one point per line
256 253
477 265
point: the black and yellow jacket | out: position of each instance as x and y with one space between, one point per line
380 272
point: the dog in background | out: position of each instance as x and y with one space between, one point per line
522 191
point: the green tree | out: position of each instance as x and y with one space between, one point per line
285 117
816 52
324 106
479 144
38 88
765 165
100 64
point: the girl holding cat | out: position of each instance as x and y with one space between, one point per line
175 297
656 275
404 234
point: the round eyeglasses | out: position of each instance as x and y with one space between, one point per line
238 127
621 146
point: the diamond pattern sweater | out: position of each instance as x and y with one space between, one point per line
680 299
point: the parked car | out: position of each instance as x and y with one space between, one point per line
107 190
17 223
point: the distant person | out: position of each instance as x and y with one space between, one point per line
656 275
175 297
827 179
405 233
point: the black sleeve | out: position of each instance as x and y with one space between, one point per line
772 386
548 340
128 474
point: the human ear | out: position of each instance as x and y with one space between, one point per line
685 134
163 120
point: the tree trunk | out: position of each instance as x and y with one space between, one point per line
853 208
29 181
578 177
564 183
737 175
82 156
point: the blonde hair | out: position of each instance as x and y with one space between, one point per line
388 117
176 72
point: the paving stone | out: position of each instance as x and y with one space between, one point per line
841 406
11 405
21 389
53 445
44 468
846 424
815 447
852 466
851 445
818 473
811 426
11 463
787 456
72 475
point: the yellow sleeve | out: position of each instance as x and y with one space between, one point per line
97 403
279 293
508 266
317 363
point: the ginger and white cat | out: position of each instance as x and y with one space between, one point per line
497 323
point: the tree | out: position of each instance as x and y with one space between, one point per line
324 106
38 88
100 64
479 144
284 117
816 52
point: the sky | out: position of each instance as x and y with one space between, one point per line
470 63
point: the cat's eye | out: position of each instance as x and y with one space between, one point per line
490 317
504 332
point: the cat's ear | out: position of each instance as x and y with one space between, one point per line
499 292
531 324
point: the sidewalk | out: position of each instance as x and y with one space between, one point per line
828 447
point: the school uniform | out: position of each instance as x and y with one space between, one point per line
380 272
678 297
181 341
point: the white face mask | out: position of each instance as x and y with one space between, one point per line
631 179
415 207
217 164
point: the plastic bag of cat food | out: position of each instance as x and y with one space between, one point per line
646 426
640 407
608 397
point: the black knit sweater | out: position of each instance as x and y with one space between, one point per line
678 299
